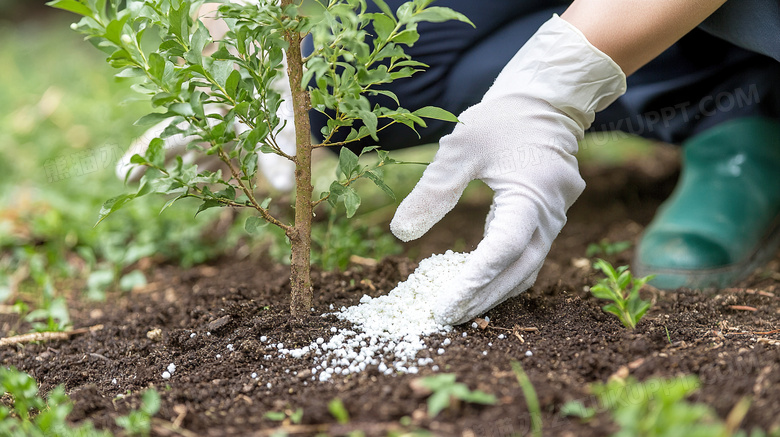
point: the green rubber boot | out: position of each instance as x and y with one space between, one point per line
723 218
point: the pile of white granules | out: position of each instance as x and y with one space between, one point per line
388 331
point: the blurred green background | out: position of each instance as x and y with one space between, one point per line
64 123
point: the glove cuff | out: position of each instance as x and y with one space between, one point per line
559 65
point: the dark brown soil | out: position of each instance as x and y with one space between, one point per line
236 301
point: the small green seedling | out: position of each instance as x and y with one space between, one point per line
279 416
578 409
31 415
658 408
606 248
338 411
139 422
530 399
445 389
623 290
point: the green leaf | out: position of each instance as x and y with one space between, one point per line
207 204
297 416
577 409
231 84
348 162
479 397
351 201
407 37
371 122
602 291
152 118
338 411
637 309
377 180
199 40
531 398
438 382
221 70
383 26
114 31
623 280
180 20
436 114
71 6
384 8
162 98
150 402
130 72
276 416
253 224
113 205
136 278
411 63
172 201
183 109
437 402
617 311
156 152
99 280
439 14
156 66
386 93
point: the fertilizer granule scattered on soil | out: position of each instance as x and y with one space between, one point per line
388 331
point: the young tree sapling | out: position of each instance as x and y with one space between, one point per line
355 52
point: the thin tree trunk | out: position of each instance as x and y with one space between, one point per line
300 235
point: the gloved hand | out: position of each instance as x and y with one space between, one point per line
520 140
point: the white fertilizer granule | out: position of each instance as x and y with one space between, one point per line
388 331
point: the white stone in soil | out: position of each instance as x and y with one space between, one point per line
387 331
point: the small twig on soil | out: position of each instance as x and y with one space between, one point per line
516 328
92 354
749 291
362 261
776 331
166 429
743 307
46 336
181 410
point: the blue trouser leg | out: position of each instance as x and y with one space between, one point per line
698 83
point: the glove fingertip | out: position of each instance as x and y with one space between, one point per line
404 230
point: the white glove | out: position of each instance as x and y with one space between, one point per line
520 140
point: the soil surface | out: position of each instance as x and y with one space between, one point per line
724 337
